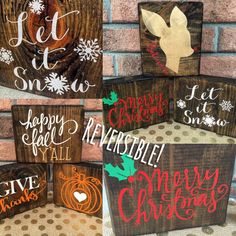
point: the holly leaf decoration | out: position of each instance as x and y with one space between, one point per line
113 99
122 174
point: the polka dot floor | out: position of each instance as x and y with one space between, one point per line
51 220
172 132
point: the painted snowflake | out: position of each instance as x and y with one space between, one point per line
209 120
88 50
57 83
36 6
226 105
181 104
6 56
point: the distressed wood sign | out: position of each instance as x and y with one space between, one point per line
206 102
189 188
170 34
79 187
52 48
135 102
48 134
22 187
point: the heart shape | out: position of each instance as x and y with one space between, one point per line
80 197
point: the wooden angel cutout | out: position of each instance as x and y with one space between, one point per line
175 41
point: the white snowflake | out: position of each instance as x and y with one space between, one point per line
181 104
226 105
6 56
209 120
36 6
88 50
57 83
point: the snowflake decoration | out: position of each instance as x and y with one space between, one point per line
88 50
57 83
226 105
36 6
181 104
209 120
6 56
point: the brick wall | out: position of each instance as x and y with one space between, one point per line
121 38
93 108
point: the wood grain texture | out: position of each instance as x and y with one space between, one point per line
154 59
216 90
79 187
86 25
60 142
19 201
178 161
143 101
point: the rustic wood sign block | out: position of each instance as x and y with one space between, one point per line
22 187
206 102
52 48
170 34
79 187
135 102
48 134
189 188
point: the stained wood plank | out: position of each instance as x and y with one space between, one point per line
206 102
142 101
22 187
48 134
170 34
63 35
189 188
79 187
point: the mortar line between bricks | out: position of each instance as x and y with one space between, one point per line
115 64
7 139
216 39
107 6
219 54
221 24
120 26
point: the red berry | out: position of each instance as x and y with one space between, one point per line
131 179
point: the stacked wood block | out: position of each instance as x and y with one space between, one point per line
189 188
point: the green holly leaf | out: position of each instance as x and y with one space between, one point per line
110 101
122 174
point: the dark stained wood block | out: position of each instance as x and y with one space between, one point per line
189 188
171 34
137 102
22 188
57 51
206 102
48 134
79 187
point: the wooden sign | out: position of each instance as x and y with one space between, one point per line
52 48
206 102
79 187
189 188
22 187
170 34
48 134
135 102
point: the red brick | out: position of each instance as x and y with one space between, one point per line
214 11
208 35
91 152
121 40
93 104
6 129
223 66
129 65
227 41
108 67
7 150
97 120
5 104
